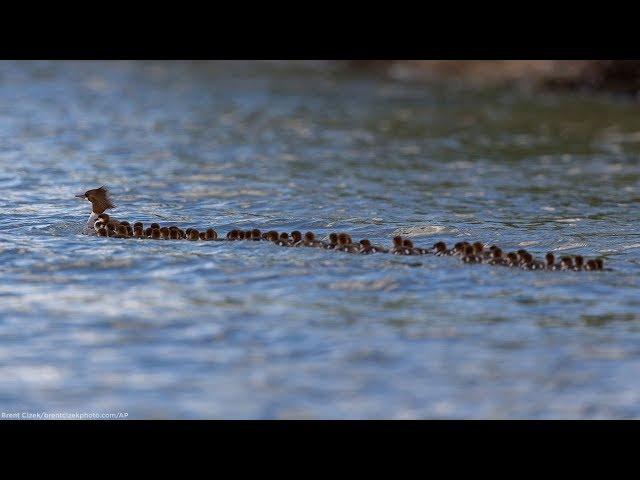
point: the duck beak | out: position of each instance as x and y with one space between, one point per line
80 195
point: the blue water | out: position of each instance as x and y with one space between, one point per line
250 330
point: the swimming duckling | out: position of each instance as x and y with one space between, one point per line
440 249
194 234
599 264
122 231
344 245
211 234
174 234
203 235
333 241
578 262
155 225
460 249
398 246
284 241
496 257
470 256
526 262
247 235
487 254
478 249
310 241
365 247
591 265
409 248
232 235
256 235
165 233
138 232
155 234
296 238
138 224
512 259
521 255
549 260
128 227
147 232
240 234
566 263
272 236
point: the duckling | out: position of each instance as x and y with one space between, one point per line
272 236
284 241
549 259
128 227
122 231
470 256
439 249
194 234
211 234
344 245
578 262
138 224
365 247
113 224
591 265
296 238
459 249
202 235
165 233
147 232
155 225
256 235
155 234
496 257
599 264
526 262
247 235
138 232
487 254
566 263
232 235
240 234
333 241
174 234
512 259
409 248
310 241
478 249
398 246
521 255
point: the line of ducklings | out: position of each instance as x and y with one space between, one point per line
106 226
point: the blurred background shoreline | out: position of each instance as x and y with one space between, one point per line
614 76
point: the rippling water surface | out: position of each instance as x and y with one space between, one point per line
250 330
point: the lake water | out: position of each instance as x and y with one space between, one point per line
251 330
